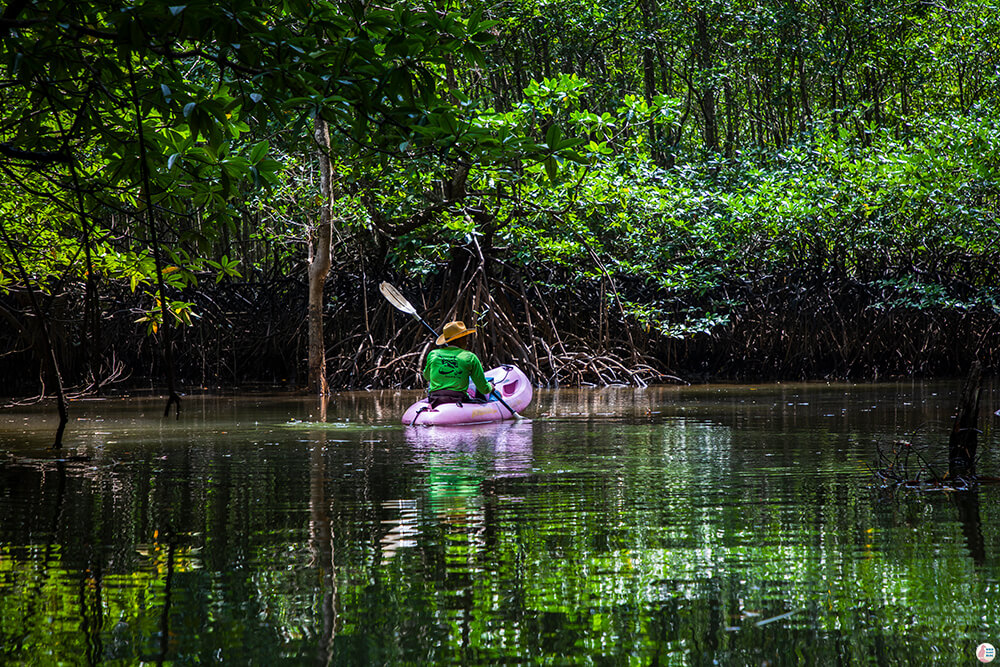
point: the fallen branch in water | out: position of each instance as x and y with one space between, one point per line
905 466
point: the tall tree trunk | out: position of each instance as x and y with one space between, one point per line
649 76
805 118
649 90
732 118
46 340
706 99
166 324
320 249
91 305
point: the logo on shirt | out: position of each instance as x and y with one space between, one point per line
449 366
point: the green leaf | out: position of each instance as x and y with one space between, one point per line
553 135
551 168
259 151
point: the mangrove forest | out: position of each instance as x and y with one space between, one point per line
531 332
209 194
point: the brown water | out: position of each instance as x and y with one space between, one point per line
732 525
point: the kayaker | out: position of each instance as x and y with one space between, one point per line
450 367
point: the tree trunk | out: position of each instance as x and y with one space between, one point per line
320 248
50 352
166 324
649 78
732 118
706 100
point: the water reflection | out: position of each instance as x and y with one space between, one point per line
702 525
503 448
458 466
322 549
967 504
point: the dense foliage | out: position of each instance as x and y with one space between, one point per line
613 192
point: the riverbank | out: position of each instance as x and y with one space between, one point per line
252 336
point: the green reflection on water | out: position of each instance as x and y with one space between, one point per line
726 525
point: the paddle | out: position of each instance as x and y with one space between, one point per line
393 296
399 301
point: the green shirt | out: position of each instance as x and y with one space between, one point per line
451 367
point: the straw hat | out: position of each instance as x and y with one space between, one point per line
453 330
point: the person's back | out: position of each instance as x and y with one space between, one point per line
450 367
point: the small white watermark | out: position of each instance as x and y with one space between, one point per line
986 652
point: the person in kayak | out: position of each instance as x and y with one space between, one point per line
450 367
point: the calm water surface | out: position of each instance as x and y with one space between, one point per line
673 526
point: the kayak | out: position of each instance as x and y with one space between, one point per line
508 381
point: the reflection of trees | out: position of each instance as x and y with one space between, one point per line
664 538
321 547
164 647
968 516
92 611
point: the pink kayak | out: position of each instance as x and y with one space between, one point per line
509 382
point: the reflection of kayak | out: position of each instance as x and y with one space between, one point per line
508 381
497 449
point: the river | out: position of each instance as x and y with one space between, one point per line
729 525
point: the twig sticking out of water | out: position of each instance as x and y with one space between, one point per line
779 617
893 469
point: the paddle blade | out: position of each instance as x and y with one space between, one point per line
396 299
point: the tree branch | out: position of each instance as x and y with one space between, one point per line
37 157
